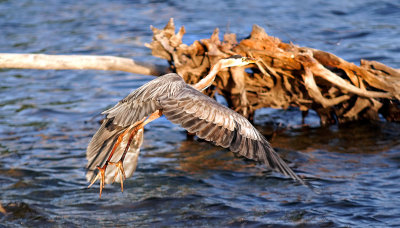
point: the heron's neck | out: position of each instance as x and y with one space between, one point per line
209 79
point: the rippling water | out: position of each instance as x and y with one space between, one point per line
48 117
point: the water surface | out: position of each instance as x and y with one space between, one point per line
48 117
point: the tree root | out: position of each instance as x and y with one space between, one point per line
285 76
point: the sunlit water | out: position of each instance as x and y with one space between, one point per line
48 117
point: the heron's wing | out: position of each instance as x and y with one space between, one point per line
144 101
209 120
133 108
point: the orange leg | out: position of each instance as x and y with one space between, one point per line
132 130
102 170
119 164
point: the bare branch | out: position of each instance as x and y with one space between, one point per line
377 66
314 92
77 62
321 71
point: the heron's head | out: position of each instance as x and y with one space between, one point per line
236 60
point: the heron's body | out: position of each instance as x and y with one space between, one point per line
184 105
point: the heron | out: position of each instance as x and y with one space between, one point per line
113 151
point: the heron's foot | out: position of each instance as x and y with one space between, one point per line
120 171
100 176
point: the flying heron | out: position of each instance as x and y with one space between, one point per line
114 149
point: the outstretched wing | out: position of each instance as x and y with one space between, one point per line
209 120
133 108
196 112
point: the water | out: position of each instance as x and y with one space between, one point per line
48 117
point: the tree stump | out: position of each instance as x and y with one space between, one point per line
286 75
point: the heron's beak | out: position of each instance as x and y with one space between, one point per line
250 60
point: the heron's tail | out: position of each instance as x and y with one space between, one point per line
101 146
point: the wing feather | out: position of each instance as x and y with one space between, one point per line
189 122
190 107
200 125
206 133
225 138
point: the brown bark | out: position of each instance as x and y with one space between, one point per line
77 62
286 75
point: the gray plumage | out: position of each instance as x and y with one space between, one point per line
183 105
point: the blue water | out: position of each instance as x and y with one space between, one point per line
48 117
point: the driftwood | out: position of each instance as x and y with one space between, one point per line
286 75
77 62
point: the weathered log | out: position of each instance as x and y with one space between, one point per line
77 62
286 75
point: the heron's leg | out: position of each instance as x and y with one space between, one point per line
119 164
102 170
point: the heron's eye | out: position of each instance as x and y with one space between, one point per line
243 59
